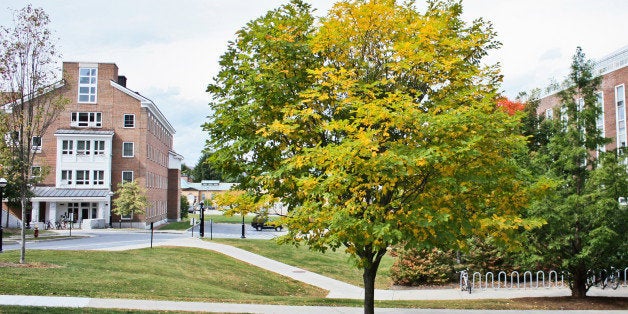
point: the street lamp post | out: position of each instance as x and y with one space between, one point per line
3 183
202 226
242 236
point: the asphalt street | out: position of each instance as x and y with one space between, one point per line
110 238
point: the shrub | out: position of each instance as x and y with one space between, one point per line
184 206
422 267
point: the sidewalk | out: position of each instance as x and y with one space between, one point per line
155 305
341 290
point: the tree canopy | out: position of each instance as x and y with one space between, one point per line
130 199
377 127
28 58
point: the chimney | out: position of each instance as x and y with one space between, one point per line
122 80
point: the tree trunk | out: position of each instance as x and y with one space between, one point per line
370 272
579 285
369 289
23 232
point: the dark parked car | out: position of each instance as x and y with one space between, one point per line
261 221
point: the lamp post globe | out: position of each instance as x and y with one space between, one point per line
3 183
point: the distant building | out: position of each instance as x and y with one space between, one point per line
107 134
206 189
611 96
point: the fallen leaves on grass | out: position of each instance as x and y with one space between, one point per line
28 265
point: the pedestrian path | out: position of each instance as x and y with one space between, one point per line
342 290
177 306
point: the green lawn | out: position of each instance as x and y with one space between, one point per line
159 273
332 264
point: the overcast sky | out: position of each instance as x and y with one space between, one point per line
169 50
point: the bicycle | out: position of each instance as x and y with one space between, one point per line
465 284
49 225
605 279
612 280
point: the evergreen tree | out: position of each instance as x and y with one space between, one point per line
580 233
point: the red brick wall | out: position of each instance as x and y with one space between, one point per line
114 104
607 87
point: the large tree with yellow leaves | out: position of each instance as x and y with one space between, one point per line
392 138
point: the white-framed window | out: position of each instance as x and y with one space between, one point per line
82 177
563 115
36 143
549 114
67 147
127 176
86 119
12 138
88 85
128 149
83 147
580 104
129 120
35 171
98 177
66 177
621 115
99 148
599 123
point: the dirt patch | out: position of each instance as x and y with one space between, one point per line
27 265
571 303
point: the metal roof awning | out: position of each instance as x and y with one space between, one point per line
45 193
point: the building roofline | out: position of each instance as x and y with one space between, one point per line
47 89
146 103
611 62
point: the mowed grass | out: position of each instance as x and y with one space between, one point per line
160 273
331 264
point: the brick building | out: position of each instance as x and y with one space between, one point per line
611 96
106 134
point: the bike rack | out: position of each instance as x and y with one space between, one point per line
556 283
486 280
511 281
479 280
499 281
542 279
525 275
532 280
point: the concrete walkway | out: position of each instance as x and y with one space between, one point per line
154 305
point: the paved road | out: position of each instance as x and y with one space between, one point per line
112 238
95 239
223 230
